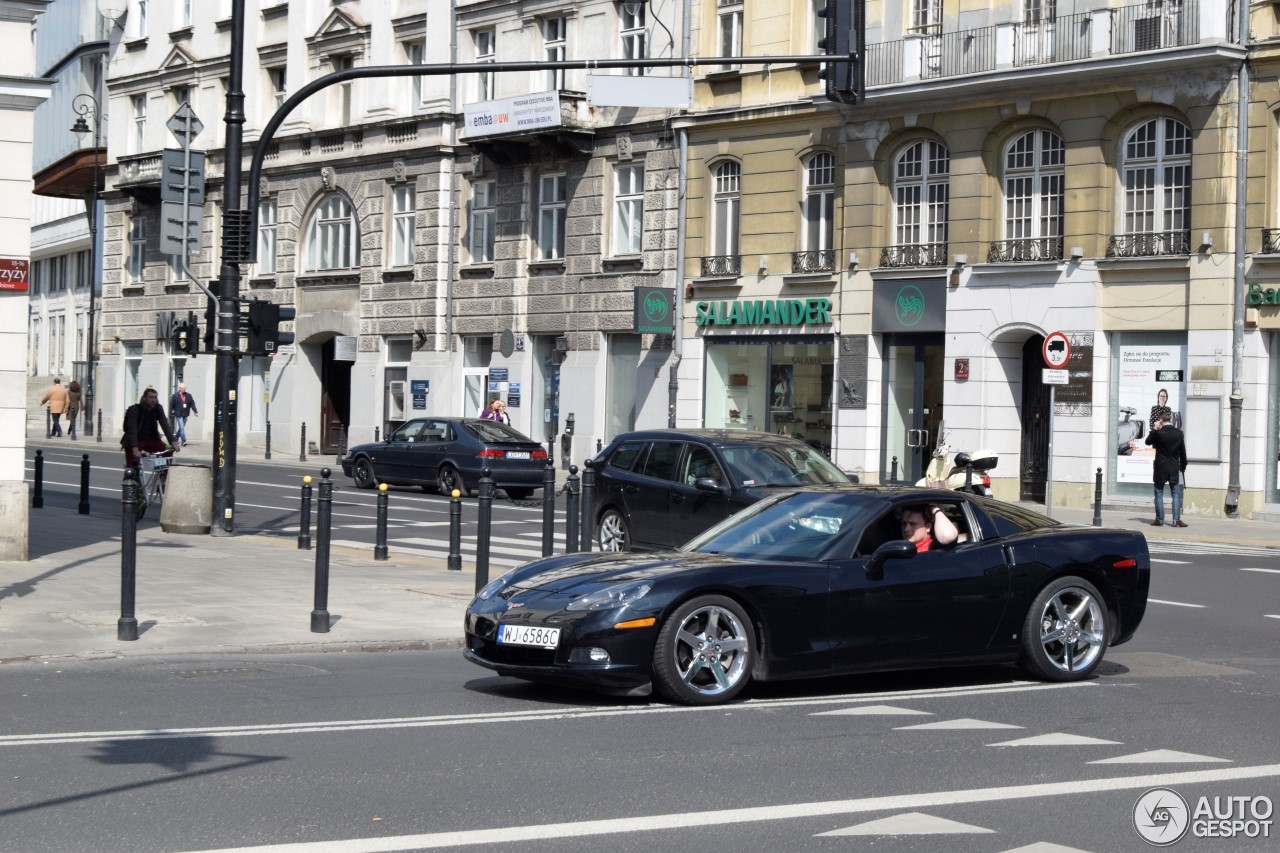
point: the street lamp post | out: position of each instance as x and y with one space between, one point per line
87 107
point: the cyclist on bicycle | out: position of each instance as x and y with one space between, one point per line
144 421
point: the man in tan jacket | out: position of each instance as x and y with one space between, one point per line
57 399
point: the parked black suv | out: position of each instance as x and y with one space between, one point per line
660 488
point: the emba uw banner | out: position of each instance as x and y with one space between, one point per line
509 116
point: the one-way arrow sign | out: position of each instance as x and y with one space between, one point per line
184 121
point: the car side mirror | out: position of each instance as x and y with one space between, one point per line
709 484
897 549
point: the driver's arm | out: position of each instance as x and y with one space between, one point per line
945 531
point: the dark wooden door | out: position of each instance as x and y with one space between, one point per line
1035 423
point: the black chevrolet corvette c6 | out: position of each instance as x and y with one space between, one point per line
818 582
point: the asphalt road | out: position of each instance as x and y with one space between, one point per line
268 500
412 751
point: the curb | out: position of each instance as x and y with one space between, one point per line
270 649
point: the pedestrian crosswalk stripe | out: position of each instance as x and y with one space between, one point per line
1178 546
1058 739
910 823
965 723
1161 756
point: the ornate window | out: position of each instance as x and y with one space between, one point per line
1034 178
723 258
404 215
480 243
819 201
729 35
1156 176
628 209
921 197
332 236
552 208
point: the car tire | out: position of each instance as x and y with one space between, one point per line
612 533
519 494
448 479
1066 631
705 652
363 474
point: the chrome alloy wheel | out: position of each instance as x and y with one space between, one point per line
612 532
1072 629
711 650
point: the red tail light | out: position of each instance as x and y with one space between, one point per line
491 453
538 454
1124 564
986 481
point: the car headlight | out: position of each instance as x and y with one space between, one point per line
612 597
492 587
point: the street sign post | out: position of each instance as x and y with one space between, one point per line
1055 377
1056 352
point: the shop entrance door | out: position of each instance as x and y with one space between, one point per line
912 405
335 399
1035 423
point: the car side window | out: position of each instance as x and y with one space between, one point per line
624 458
700 462
436 431
409 432
661 461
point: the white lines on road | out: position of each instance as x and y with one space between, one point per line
911 823
872 711
520 716
758 814
1268 571
1213 549
1161 756
1172 562
1273 615
1173 603
1058 739
954 725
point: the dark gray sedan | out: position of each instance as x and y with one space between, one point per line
447 454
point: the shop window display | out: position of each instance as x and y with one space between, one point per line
783 388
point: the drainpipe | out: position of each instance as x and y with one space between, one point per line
443 340
1237 320
677 344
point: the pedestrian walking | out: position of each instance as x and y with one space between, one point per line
1170 465
144 422
73 406
181 406
57 399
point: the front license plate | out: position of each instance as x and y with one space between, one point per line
517 454
528 635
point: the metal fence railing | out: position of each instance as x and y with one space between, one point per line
1154 25
1064 39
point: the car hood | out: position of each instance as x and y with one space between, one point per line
607 570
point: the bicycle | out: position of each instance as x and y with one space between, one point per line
155 474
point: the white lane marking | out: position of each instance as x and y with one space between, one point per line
1172 603
1058 739
1045 847
1161 756
872 711
1273 616
911 823
1172 562
756 814
1174 546
521 716
1268 571
961 724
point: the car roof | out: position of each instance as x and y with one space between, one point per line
717 437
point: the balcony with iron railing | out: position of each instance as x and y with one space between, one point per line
1270 241
813 261
1149 245
1026 249
721 266
914 255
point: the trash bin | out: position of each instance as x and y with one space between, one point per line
188 499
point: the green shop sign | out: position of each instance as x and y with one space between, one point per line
1257 295
764 312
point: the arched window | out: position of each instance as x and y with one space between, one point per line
725 194
819 201
1156 175
1034 166
332 236
921 201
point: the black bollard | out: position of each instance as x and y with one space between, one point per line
455 532
598 447
302 454
483 528
968 476
377 434
893 470
324 516
267 455
37 491
571 511
1097 498
588 505
548 508
380 542
99 425
83 508
304 529
127 626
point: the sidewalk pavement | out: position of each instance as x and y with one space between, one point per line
253 594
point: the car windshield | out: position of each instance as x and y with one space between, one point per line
795 526
492 432
780 465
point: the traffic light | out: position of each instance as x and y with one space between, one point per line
264 332
186 336
845 38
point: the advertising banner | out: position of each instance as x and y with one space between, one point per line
521 114
1152 379
14 273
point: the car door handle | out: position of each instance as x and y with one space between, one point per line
631 490
678 497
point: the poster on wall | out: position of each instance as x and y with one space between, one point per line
1075 399
1152 380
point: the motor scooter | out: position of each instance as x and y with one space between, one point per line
951 471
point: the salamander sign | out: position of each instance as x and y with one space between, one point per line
763 312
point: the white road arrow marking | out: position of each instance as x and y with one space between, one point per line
871 711
1161 756
911 823
959 725
1058 739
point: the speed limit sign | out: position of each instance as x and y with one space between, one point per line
1056 350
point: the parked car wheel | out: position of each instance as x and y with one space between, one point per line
705 652
1066 631
363 474
448 479
519 494
611 531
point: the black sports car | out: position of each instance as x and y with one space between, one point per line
817 582
447 454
